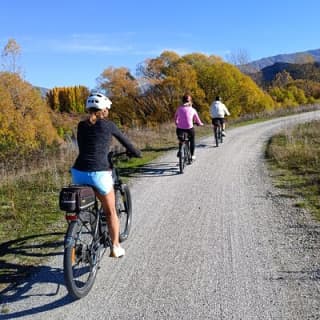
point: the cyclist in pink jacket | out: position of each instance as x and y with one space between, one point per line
185 117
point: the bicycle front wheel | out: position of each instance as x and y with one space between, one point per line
124 210
80 257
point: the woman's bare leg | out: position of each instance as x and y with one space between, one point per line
109 207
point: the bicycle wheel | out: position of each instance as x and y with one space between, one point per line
216 135
220 135
81 257
124 211
182 157
189 157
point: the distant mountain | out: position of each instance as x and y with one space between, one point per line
307 71
43 91
284 58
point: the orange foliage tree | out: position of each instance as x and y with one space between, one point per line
25 118
123 89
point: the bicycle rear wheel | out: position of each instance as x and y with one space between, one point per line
81 255
124 211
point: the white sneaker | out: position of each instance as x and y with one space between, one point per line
223 133
193 157
117 252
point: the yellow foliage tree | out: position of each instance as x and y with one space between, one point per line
26 125
154 97
68 99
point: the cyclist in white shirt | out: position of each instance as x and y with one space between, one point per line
218 111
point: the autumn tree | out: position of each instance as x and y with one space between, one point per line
123 89
10 55
165 80
239 92
282 79
25 118
289 96
68 99
310 88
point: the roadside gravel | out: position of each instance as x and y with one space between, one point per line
217 242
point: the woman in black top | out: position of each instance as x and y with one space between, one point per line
92 167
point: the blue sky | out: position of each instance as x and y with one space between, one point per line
68 42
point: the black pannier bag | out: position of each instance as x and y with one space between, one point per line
76 197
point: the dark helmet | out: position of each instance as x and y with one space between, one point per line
185 98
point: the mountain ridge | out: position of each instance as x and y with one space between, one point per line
285 58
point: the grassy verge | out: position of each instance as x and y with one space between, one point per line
294 157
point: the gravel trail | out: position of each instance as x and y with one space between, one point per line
217 242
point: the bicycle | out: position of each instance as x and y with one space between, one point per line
217 128
184 152
87 237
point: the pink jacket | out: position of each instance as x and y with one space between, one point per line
185 116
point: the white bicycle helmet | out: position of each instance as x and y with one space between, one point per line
98 101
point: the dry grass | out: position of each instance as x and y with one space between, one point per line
295 157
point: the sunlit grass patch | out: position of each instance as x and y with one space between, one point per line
295 154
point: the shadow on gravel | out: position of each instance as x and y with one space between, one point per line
27 253
302 275
18 279
161 169
52 278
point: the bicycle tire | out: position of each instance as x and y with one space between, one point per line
182 158
80 260
220 135
216 135
189 157
124 211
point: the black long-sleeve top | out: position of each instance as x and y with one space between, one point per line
94 142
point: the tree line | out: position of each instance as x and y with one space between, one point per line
148 98
153 95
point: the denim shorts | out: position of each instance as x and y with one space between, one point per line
101 180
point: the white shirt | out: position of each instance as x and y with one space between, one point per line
218 110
